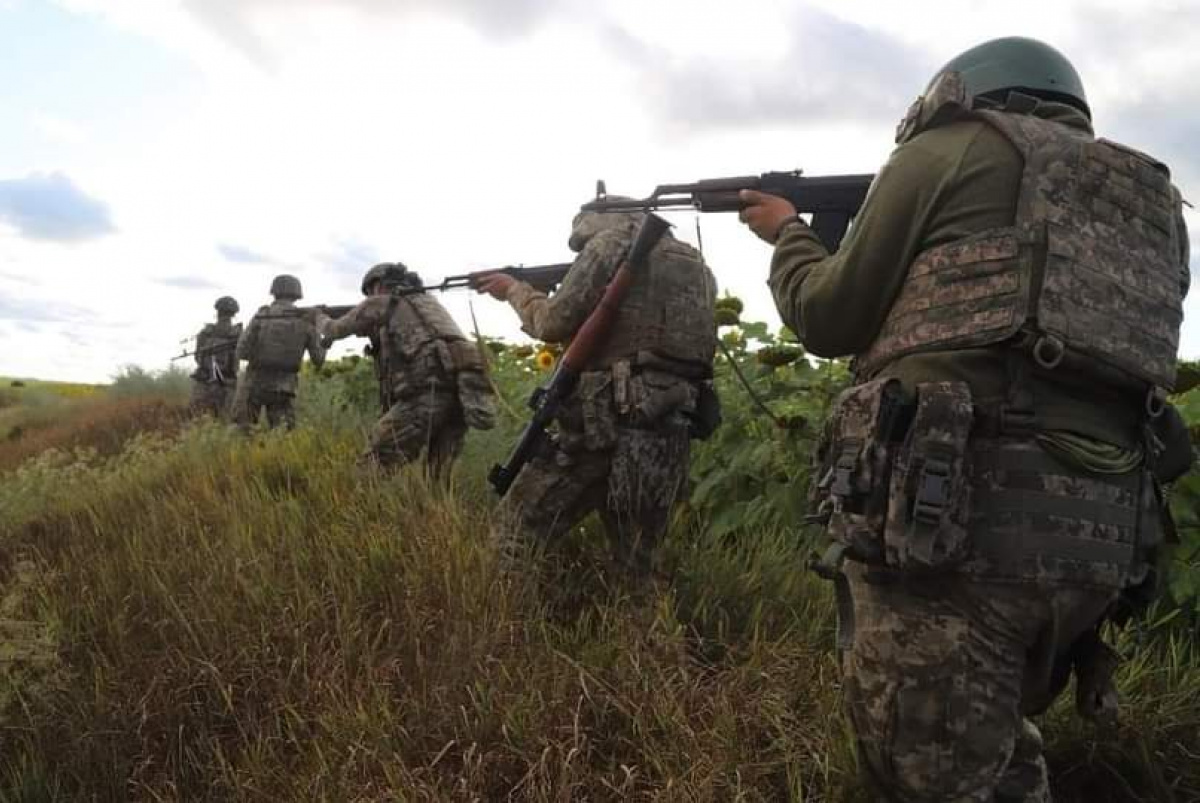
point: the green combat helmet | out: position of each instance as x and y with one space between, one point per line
993 69
286 286
226 305
390 273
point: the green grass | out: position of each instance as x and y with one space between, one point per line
191 615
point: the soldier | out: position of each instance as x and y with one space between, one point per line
432 384
274 344
622 446
1012 295
215 377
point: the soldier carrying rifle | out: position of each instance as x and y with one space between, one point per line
432 384
215 377
627 396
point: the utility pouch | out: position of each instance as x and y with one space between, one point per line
465 356
595 394
854 463
929 502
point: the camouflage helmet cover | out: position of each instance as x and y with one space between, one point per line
1017 63
587 225
286 286
390 273
226 305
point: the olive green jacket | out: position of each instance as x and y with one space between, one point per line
943 185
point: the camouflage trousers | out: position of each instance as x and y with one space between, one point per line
251 401
632 486
211 398
430 423
941 673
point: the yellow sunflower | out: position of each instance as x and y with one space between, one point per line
544 360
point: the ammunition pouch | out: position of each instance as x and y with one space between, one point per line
929 499
853 465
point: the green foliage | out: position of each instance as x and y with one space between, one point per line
206 616
753 474
135 381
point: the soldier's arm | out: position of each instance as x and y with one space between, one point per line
362 321
316 352
555 319
837 303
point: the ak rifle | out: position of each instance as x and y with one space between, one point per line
547 401
833 201
541 277
216 348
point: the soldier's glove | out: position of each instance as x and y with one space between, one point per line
369 351
326 341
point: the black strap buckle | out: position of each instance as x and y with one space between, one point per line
843 472
933 492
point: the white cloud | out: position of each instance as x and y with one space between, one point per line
326 136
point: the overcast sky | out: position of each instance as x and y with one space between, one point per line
156 154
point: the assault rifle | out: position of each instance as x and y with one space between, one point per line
833 201
541 277
215 348
329 310
547 401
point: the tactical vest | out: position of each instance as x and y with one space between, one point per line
1089 272
283 334
415 321
668 311
217 334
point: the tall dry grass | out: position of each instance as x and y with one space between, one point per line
205 617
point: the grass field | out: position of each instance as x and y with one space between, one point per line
199 616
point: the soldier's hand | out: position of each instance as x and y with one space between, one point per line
765 214
497 285
326 341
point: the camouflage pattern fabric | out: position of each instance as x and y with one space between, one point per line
557 490
212 398
941 674
215 378
432 379
668 310
258 392
622 448
429 425
274 344
1096 221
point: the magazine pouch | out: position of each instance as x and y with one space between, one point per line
929 503
853 465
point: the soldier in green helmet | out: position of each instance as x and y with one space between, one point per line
432 385
215 377
274 344
1011 294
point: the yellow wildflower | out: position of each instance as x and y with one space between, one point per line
544 360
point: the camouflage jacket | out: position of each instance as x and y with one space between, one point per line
943 186
221 365
274 344
418 346
661 345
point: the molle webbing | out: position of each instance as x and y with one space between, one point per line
1090 267
1034 519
